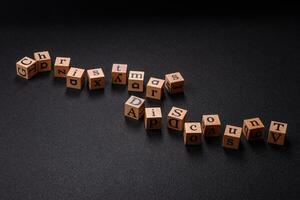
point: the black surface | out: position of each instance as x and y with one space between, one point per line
65 144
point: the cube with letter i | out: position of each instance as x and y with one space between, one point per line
153 118
75 78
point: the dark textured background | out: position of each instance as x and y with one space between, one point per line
66 144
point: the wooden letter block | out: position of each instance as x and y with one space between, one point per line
176 118
75 78
174 83
96 79
192 133
136 81
43 61
253 129
119 74
211 125
153 118
26 68
277 133
61 66
154 89
134 107
232 137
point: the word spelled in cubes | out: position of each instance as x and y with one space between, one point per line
174 83
134 107
192 133
43 61
136 81
26 68
232 137
176 118
119 74
253 129
154 89
61 66
211 125
153 118
277 133
96 79
75 78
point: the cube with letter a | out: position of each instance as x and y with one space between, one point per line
96 79
61 66
26 68
153 118
277 133
134 107
176 118
43 61
174 83
154 89
232 137
192 133
253 129
119 74
75 78
211 125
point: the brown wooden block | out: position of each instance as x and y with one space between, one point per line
192 133
253 129
134 107
176 118
61 66
211 125
153 118
43 61
136 81
174 83
277 132
119 74
154 89
96 79
26 68
232 137
75 78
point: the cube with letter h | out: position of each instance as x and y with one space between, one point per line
154 89
192 133
134 107
277 133
174 83
75 78
26 68
119 74
232 137
43 61
96 79
136 81
176 118
253 129
153 118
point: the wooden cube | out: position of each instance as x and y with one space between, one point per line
75 78
61 66
96 79
43 61
119 74
253 129
232 137
192 133
136 81
154 89
26 68
153 118
176 118
277 132
174 83
134 107
211 125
